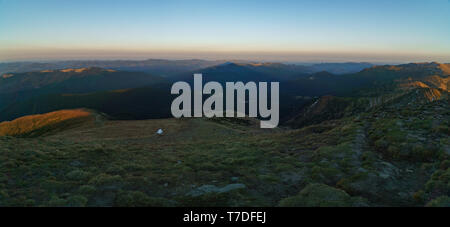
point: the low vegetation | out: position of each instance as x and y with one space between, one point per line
36 125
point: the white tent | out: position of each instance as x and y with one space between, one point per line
159 132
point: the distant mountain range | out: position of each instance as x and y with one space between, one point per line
75 80
340 68
18 87
141 95
168 68
155 66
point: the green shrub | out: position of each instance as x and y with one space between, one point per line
419 196
55 201
445 164
347 183
321 195
134 167
444 129
115 170
77 175
439 183
3 178
54 186
105 179
443 201
140 199
381 144
77 201
327 175
86 190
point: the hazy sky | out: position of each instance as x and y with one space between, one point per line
319 30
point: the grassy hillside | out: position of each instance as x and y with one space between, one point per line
36 125
383 157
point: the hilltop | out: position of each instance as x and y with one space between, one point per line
43 124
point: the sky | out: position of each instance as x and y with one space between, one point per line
289 31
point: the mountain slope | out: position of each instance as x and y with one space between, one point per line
245 72
37 125
75 80
380 86
20 87
384 157
153 66
340 68
137 103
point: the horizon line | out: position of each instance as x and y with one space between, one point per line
221 60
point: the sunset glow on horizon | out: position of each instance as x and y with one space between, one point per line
292 31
